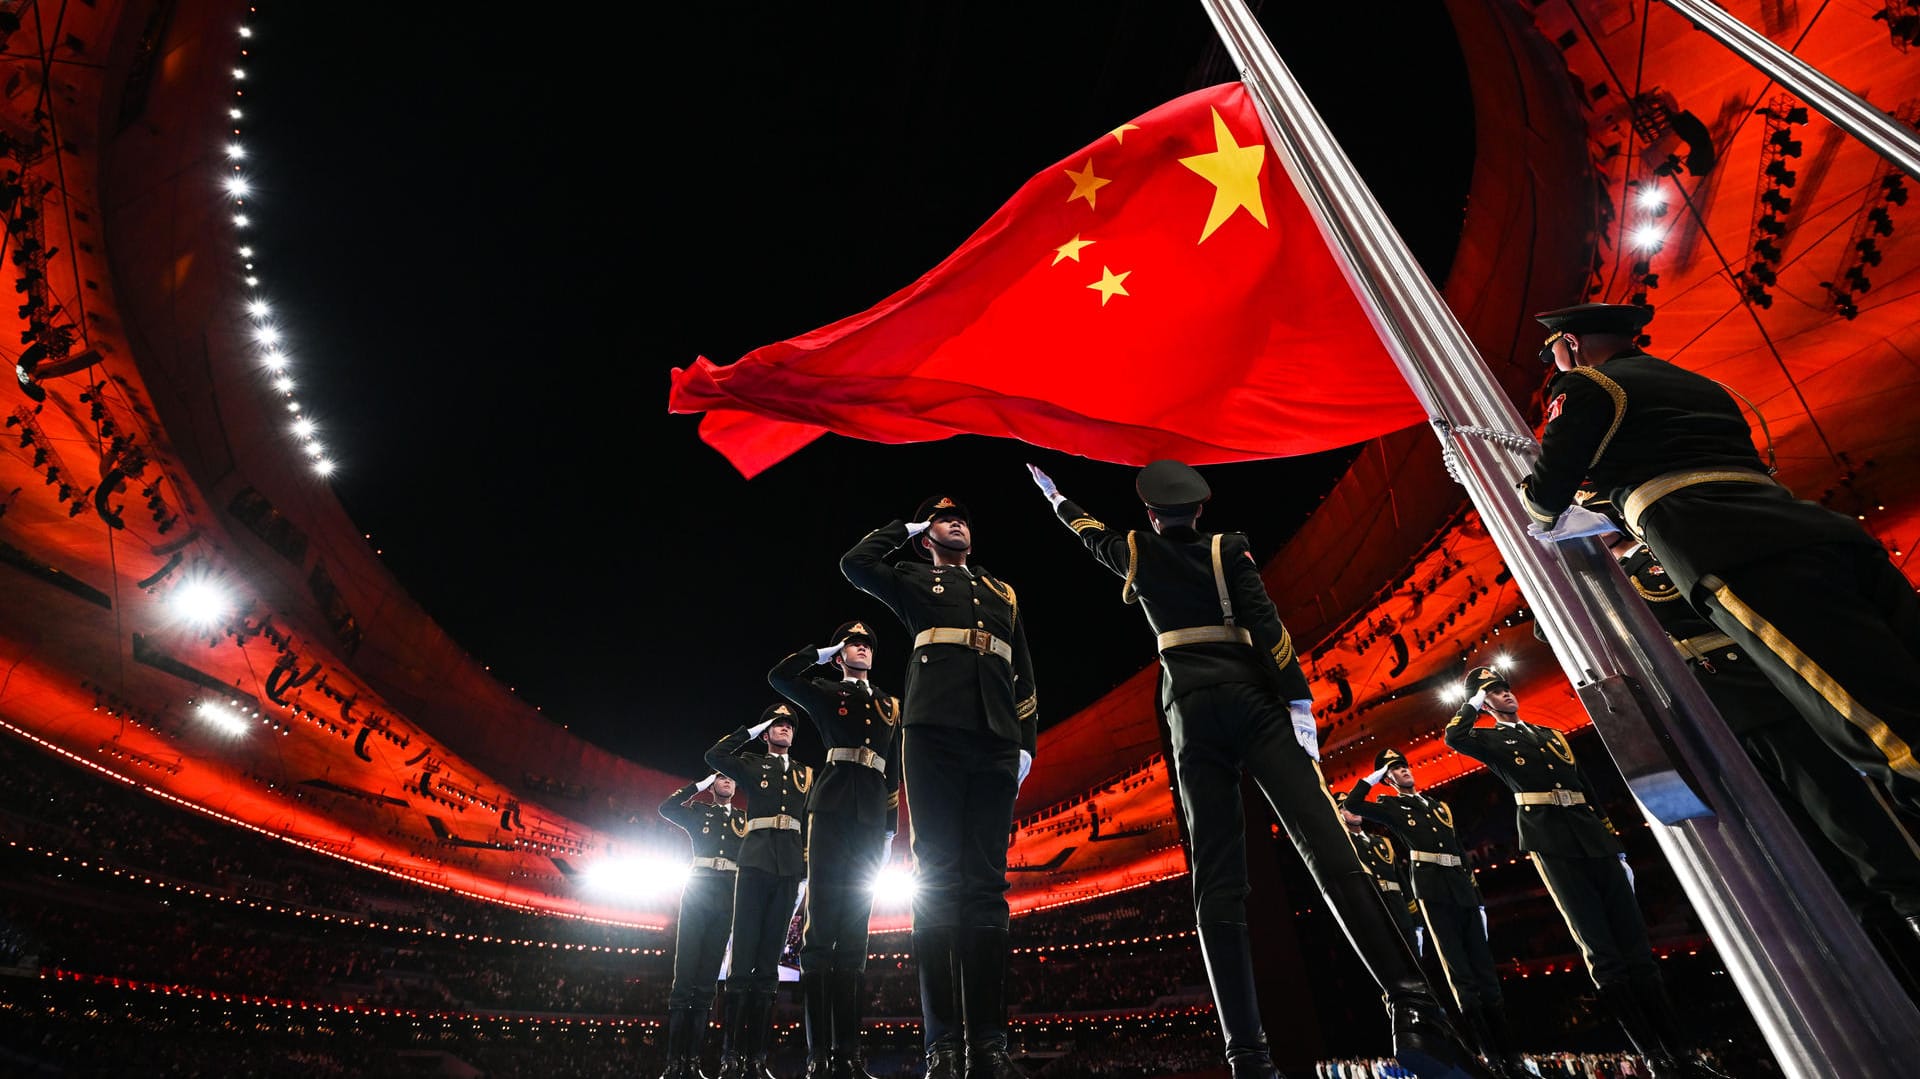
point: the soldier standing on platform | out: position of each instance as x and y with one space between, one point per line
970 730
772 865
706 915
1235 699
1450 901
1578 854
852 814
1806 592
1377 857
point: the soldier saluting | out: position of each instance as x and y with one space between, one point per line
1578 854
1235 699
971 725
772 864
706 915
852 814
1378 858
1449 899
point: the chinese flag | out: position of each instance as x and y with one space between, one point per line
1163 292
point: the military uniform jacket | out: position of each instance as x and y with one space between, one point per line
1170 575
848 715
1533 759
1636 417
770 790
1377 858
1422 824
714 829
953 685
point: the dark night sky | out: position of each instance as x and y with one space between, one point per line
490 239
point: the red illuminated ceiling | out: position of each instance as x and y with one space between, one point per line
380 740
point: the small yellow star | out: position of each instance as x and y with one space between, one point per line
1085 183
1120 133
1070 249
1111 284
1234 172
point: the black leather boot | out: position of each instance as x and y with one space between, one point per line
698 1027
679 1044
1423 1039
759 1034
1227 949
1676 1050
1483 1036
819 1023
983 987
934 953
848 991
733 1017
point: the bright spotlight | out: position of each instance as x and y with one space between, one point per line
324 466
222 718
238 187
303 427
252 281
258 308
266 335
201 602
239 73
246 252
314 449
235 113
1503 663
894 886
236 151
635 878
241 220
275 361
1454 694
246 31
283 384
1651 199
1647 237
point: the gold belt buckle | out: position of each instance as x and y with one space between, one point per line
980 640
1563 798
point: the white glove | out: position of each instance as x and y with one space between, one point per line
823 655
1305 731
1484 931
1574 522
1026 765
759 729
1046 485
916 527
1478 700
1420 940
1376 775
1627 867
705 783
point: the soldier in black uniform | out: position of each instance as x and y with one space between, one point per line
706 915
971 724
1806 592
773 861
1235 698
1578 853
1379 859
1450 901
852 813
1862 846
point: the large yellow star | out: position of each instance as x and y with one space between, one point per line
1120 133
1234 172
1085 183
1111 284
1070 249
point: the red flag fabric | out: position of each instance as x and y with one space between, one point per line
1163 292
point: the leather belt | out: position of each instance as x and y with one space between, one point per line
1549 798
859 755
1435 859
1174 638
1696 648
977 639
778 820
725 865
1661 486
1388 885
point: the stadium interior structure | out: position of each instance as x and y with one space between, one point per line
305 832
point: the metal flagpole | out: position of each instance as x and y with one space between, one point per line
1848 111
1822 997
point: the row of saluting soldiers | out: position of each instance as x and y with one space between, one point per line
1799 592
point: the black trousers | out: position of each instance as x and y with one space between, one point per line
1837 630
961 785
762 911
1849 830
1216 732
1400 905
1460 940
1596 899
843 857
706 919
